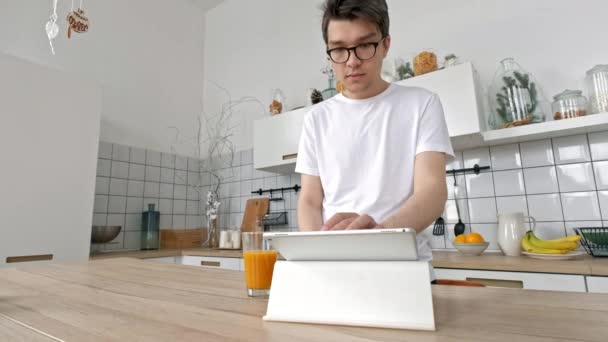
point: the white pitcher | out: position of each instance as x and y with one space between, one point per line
511 230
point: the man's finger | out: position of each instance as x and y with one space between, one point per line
337 218
344 223
362 222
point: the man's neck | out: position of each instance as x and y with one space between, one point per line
374 90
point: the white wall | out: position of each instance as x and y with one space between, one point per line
146 54
253 46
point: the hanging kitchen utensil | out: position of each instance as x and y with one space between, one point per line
439 227
459 228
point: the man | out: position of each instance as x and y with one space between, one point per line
373 156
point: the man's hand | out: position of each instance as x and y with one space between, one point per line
350 221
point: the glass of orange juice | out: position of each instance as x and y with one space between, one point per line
259 261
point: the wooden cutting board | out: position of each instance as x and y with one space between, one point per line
255 208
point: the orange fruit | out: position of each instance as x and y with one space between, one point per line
460 238
473 238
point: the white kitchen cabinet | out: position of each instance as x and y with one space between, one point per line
49 137
525 280
275 141
597 284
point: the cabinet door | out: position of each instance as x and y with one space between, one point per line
597 284
275 141
214 262
525 280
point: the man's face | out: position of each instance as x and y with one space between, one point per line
361 78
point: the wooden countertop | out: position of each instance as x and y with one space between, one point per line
585 265
125 299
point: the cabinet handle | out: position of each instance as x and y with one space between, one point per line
210 263
27 258
290 156
514 284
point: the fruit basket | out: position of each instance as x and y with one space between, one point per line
594 240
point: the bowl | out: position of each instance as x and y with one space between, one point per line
103 234
471 248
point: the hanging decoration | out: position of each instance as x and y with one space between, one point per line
77 20
51 27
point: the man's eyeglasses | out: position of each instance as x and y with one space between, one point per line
363 52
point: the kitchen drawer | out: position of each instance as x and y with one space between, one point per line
525 280
166 260
597 284
215 262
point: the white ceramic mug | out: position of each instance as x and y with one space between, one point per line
511 230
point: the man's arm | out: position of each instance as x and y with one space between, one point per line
310 204
430 194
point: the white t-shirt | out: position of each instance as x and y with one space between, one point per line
364 150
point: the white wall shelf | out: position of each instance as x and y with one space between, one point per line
549 129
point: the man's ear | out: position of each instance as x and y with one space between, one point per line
387 44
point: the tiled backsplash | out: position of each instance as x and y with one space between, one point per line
561 182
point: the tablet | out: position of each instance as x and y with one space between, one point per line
395 244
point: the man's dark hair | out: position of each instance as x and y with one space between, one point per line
376 11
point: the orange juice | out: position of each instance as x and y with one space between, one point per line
258 268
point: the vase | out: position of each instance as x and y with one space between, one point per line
213 230
515 97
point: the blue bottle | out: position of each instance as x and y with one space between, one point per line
150 231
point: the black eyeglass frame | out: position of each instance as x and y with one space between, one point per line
354 50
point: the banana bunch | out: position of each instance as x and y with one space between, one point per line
531 243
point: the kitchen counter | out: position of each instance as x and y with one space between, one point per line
488 261
128 300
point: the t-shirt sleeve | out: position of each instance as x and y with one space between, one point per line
433 131
307 156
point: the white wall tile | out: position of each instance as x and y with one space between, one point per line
541 180
456 163
571 149
120 169
118 187
193 221
246 171
137 172
134 205
603 198
179 207
151 189
181 177
138 155
192 193
166 221
489 231
224 190
194 178
545 207
235 189
117 205
247 157
296 179
235 205
601 174
505 157
100 219
550 230
599 145
101 204
512 204
179 192
133 240
179 221
283 181
135 188
152 158
482 210
167 175
103 167
191 207
102 185
245 188
536 153
460 184
270 182
480 156
167 160
117 220
575 177
480 185
508 183
152 173
257 184
105 150
133 222
193 165
579 206
181 163
120 152
166 191
450 215
165 206
235 220
581 224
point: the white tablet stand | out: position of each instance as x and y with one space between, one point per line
384 294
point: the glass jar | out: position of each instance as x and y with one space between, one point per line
515 97
569 104
597 86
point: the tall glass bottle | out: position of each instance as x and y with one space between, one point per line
150 231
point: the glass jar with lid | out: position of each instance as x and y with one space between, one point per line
597 86
569 104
